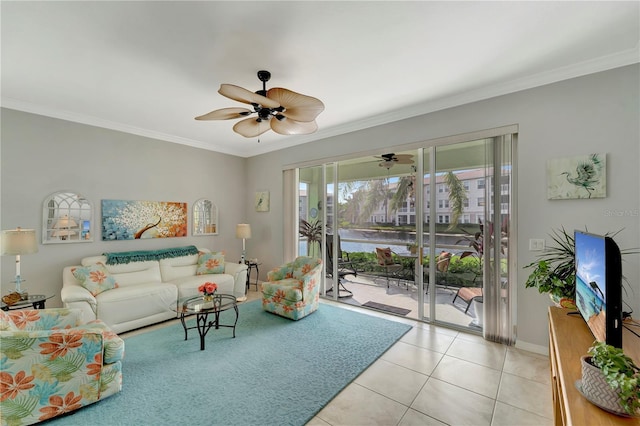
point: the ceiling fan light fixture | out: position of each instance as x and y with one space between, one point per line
299 110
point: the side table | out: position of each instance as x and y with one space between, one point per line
252 265
37 301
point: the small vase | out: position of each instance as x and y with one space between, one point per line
208 297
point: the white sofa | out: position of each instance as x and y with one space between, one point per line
148 290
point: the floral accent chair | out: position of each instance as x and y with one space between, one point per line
51 363
292 290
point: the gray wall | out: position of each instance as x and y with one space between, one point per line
42 155
595 113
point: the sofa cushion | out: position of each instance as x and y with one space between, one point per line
129 273
95 278
188 286
135 302
210 263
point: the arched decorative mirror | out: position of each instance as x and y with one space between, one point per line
205 218
66 218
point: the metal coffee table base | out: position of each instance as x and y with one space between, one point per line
207 319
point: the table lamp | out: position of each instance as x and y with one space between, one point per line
243 230
16 242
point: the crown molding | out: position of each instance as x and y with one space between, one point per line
592 66
11 103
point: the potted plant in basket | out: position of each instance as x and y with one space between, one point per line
413 248
611 380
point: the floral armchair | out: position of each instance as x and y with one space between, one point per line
292 290
51 364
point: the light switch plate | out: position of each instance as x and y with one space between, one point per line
536 244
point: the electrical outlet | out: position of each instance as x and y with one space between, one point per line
536 244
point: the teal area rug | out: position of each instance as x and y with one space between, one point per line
275 372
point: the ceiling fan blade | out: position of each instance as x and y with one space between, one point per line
225 114
240 94
401 156
297 106
403 161
293 127
251 127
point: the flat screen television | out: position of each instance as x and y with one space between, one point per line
598 265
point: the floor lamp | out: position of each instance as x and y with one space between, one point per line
16 242
243 230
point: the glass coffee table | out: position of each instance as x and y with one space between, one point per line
207 313
36 301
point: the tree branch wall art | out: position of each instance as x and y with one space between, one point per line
133 220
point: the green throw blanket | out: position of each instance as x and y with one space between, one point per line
142 255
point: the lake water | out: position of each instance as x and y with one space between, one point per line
396 240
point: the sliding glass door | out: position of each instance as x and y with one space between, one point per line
442 214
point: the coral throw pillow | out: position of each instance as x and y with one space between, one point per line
210 263
384 256
95 278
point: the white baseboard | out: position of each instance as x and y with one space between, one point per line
542 350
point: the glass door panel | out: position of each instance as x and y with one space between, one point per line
459 273
375 207
457 210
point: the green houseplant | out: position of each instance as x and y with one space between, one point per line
413 248
605 366
554 271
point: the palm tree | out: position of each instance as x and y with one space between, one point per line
312 231
457 195
404 190
377 193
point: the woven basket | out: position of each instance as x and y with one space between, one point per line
597 390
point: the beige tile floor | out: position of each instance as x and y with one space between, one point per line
438 376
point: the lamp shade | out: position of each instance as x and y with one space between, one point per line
19 241
65 222
243 230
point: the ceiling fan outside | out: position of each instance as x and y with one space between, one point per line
389 160
284 111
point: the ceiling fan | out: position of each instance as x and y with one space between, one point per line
388 160
281 110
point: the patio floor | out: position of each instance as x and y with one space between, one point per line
404 294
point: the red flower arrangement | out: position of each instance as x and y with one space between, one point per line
208 288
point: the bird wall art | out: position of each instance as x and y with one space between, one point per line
577 177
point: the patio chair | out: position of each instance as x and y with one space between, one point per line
386 261
344 267
343 256
469 294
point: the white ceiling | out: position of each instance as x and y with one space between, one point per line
149 68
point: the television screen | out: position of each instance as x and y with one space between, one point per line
599 286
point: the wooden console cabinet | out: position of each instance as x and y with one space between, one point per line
569 339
